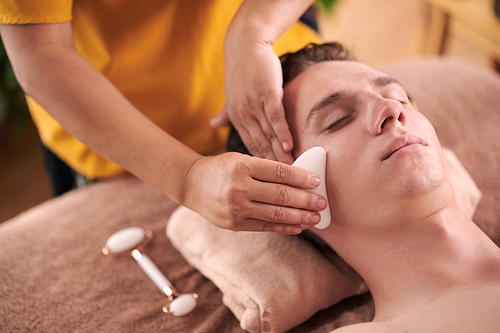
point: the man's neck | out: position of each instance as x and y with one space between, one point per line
417 264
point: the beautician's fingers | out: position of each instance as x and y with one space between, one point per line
275 129
286 229
254 139
284 215
275 125
259 137
282 228
281 173
262 141
222 189
277 197
221 120
257 132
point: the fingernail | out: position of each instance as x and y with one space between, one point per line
321 203
315 218
286 146
315 180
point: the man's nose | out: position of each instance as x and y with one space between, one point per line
384 114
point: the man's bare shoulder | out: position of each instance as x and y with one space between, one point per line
473 309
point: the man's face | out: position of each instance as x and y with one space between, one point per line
381 152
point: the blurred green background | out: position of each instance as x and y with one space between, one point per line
14 115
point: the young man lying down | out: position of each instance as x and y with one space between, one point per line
395 219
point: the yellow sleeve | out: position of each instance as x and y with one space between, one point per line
35 11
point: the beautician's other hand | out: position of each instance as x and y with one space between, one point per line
253 84
244 193
253 91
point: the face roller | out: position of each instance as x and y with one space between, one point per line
314 160
131 241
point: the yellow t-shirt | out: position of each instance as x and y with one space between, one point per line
165 56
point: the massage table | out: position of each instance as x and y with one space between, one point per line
54 277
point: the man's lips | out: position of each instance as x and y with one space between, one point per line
407 143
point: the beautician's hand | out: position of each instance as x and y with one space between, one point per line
253 91
253 83
244 193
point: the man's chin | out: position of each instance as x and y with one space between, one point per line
428 181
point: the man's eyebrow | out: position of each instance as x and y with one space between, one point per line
329 100
382 81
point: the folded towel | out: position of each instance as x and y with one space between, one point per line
272 282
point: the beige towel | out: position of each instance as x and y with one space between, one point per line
273 282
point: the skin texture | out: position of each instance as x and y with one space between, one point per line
394 216
230 190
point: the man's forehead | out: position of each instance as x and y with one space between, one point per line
339 71
323 78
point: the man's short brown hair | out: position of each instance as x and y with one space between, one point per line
294 63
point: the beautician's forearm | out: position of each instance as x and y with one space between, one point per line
266 20
85 103
103 119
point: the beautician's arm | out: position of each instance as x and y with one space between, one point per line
230 190
253 85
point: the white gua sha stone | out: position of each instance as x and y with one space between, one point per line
132 241
314 160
